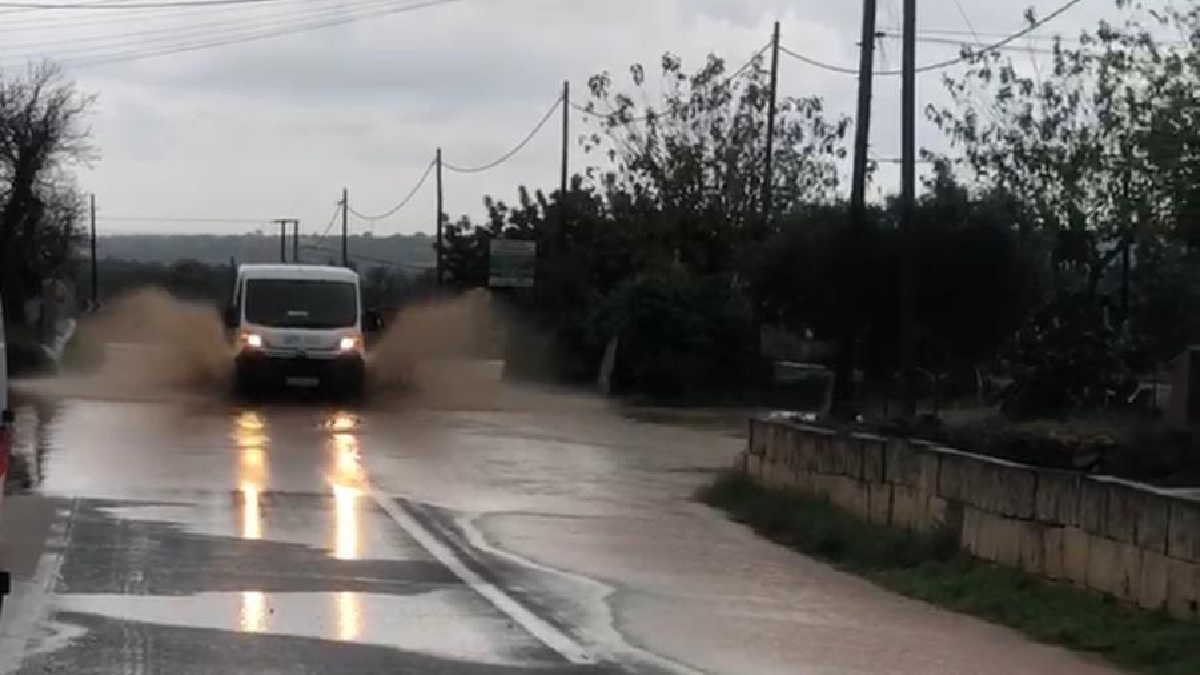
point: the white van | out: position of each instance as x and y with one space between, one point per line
298 325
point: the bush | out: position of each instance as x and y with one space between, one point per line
1068 359
679 336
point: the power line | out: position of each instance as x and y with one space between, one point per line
359 256
1034 25
143 36
511 153
332 220
182 219
977 46
984 46
967 19
403 202
133 55
125 6
587 110
52 21
819 64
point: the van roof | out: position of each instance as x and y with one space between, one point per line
315 272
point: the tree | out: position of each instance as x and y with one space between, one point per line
698 156
1097 150
972 285
42 133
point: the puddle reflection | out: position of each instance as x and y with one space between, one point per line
253 617
251 444
347 481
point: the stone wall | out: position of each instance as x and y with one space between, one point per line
1118 538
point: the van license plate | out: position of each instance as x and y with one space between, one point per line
292 381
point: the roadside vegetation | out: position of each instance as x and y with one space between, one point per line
931 568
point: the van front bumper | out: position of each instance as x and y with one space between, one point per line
258 369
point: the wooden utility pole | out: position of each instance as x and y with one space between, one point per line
908 196
769 164
862 123
566 168
283 225
841 397
95 263
439 217
345 227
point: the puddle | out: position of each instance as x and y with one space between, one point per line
450 622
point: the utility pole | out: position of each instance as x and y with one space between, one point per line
908 196
95 263
566 157
769 165
345 227
295 241
843 376
283 225
439 217
862 122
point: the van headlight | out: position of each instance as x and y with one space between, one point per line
348 344
253 340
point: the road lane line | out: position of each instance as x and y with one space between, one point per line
541 629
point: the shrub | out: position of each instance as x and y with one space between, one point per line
1068 359
679 336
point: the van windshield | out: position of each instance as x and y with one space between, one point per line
300 303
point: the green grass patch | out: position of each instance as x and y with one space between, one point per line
933 569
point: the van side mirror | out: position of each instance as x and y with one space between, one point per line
230 317
372 321
7 417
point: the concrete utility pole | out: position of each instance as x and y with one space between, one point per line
439 217
295 241
908 196
95 263
843 376
769 165
345 227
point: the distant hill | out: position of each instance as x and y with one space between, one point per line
410 252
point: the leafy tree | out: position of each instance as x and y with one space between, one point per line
42 133
698 155
972 284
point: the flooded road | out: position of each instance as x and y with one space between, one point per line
197 536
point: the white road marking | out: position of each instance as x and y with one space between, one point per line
549 635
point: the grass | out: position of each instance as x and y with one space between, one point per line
932 568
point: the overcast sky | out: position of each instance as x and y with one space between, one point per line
277 127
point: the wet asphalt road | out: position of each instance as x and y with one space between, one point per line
550 536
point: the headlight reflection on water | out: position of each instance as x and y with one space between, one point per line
251 441
347 480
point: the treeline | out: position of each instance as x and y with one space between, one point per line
382 287
410 252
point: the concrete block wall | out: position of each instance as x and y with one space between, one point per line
1118 538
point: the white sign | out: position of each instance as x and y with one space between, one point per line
512 263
